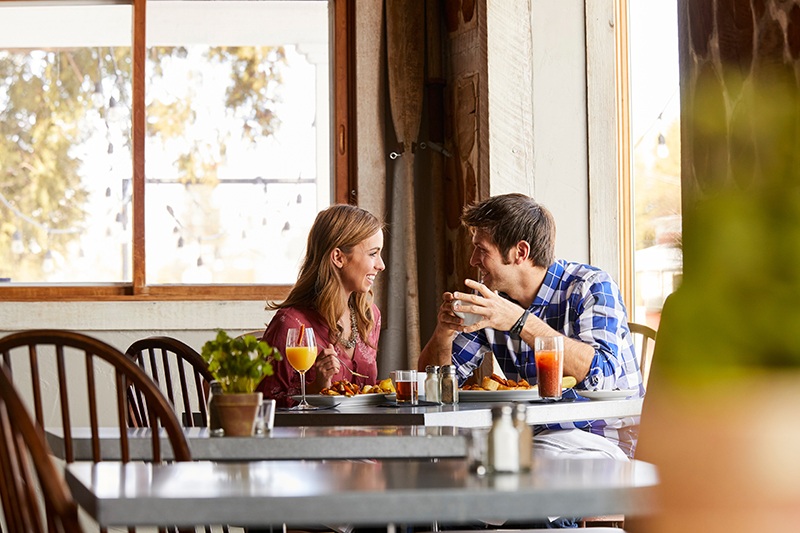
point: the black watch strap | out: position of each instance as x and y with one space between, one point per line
516 329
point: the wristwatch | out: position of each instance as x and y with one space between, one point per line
516 329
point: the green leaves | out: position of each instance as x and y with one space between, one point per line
240 363
53 101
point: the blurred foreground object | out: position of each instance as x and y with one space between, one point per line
723 391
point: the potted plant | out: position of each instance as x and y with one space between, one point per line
238 364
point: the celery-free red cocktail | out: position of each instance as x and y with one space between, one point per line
549 353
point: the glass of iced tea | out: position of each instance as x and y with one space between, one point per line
405 381
301 352
549 353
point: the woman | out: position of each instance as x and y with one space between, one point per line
333 295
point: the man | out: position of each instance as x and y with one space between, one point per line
524 293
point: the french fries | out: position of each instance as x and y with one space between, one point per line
345 388
495 382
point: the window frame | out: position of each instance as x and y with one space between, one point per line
624 181
342 15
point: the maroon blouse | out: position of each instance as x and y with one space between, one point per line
285 381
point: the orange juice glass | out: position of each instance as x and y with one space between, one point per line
301 351
301 357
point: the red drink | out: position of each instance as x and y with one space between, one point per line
549 367
407 392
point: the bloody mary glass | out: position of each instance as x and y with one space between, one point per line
549 366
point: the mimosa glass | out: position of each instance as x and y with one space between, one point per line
301 351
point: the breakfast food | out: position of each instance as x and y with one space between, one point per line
345 388
496 382
567 382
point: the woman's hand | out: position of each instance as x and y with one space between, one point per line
327 366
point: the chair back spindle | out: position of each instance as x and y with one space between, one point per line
85 396
23 454
180 373
644 341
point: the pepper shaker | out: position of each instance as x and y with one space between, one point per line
525 437
449 385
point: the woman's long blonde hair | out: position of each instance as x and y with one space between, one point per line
318 284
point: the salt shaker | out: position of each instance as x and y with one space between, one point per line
433 384
525 433
214 424
503 441
449 385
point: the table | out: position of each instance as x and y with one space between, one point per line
375 442
361 493
465 414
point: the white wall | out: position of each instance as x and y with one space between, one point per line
560 168
552 118
121 323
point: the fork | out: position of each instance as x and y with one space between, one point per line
353 372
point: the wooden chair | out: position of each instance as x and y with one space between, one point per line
94 394
257 333
22 444
180 373
644 340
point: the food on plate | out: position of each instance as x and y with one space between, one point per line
387 385
495 383
567 382
345 388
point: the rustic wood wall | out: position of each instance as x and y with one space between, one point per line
740 73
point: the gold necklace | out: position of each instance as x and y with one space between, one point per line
353 340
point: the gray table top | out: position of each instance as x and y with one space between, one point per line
357 431
464 414
346 442
356 492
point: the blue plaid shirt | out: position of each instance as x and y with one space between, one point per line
584 303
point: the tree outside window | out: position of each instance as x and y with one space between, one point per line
237 157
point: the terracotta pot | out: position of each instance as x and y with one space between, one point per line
726 453
237 413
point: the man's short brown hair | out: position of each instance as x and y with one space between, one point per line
510 218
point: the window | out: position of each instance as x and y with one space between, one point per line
207 194
655 155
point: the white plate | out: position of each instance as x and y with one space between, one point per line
607 394
497 395
324 400
392 397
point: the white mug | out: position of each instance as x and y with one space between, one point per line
469 318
